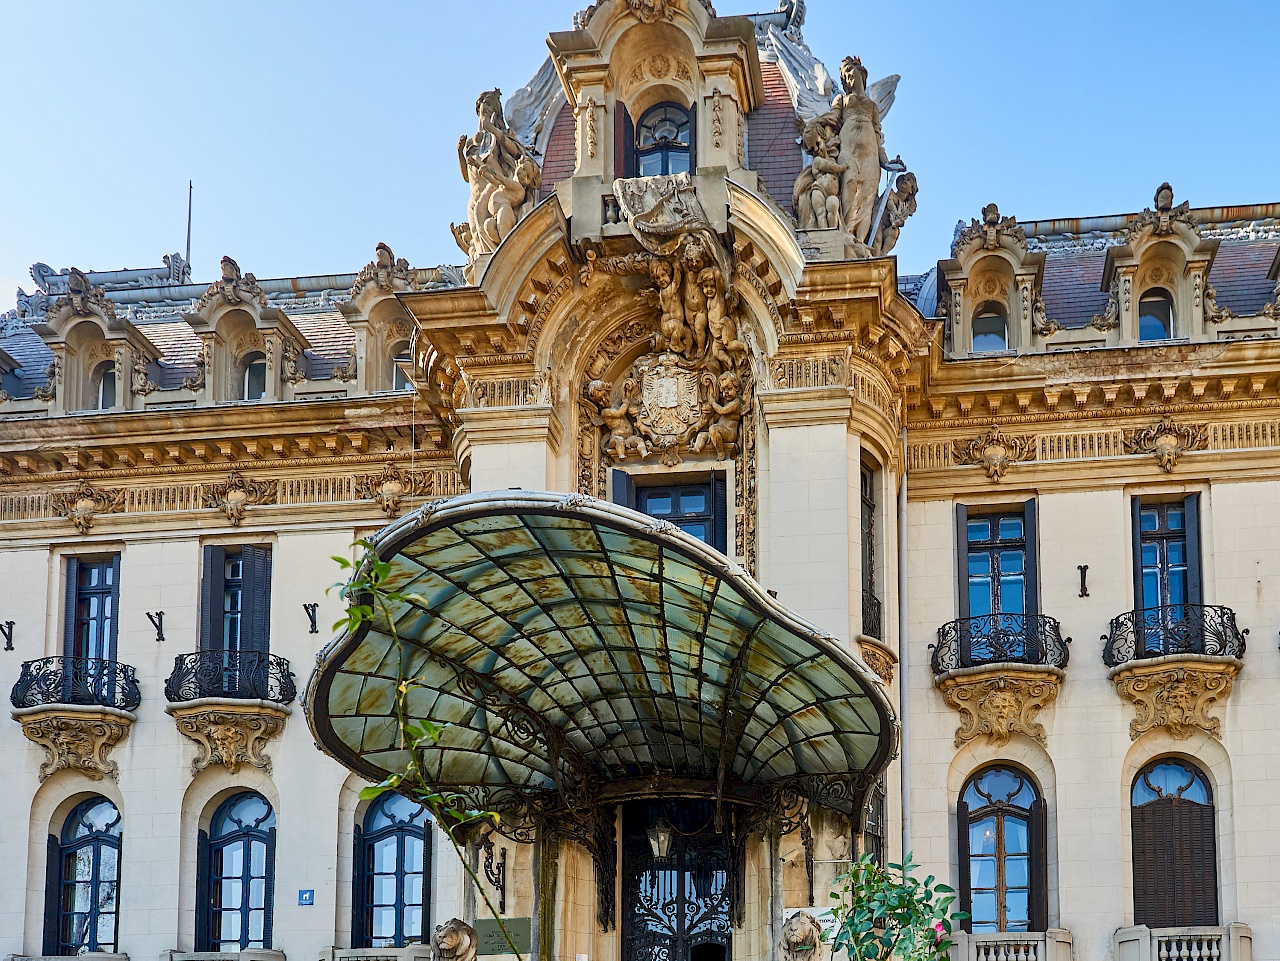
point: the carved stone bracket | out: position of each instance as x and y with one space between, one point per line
1000 700
229 732
1166 440
1176 692
994 451
234 496
76 738
879 658
85 502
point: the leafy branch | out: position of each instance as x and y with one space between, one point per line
884 914
370 596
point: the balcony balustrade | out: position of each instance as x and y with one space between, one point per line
251 675
872 616
82 681
1232 942
1034 639
1174 629
1051 945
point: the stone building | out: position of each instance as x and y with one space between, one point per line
736 552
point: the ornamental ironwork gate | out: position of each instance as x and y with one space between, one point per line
674 907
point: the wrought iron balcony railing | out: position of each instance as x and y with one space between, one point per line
998 639
240 674
872 616
1173 629
86 681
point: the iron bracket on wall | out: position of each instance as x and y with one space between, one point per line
1084 573
311 615
6 628
496 872
157 621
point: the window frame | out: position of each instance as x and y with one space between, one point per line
1036 817
72 616
1164 295
1191 531
255 608
208 914
627 490
247 363
629 134
1031 553
1180 836
988 308
100 373
362 906
60 852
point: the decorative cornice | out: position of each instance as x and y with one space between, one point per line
1166 440
1176 692
1000 700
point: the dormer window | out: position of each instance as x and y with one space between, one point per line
106 392
664 141
1155 315
255 377
990 328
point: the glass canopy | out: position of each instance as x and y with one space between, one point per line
580 651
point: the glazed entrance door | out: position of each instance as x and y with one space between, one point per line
675 883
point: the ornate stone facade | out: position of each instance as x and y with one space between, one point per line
1176 694
229 733
1000 701
76 739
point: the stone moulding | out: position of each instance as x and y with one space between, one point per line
1000 700
229 731
1175 692
76 738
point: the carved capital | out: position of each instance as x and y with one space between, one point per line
1166 441
229 733
1000 700
994 451
1176 693
76 739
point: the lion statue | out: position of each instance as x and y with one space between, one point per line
454 941
801 938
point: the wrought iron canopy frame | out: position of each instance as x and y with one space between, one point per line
582 653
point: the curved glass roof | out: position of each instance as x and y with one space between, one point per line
577 647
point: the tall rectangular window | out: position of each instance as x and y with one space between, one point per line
93 597
699 509
236 598
1167 584
872 610
998 590
996 548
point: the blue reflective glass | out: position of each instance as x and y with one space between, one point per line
979 530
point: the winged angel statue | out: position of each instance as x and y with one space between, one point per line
841 187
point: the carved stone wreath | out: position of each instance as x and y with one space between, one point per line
230 735
79 741
1175 696
1000 702
234 496
392 485
994 451
1166 440
85 502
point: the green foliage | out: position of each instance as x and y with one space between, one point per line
884 914
370 600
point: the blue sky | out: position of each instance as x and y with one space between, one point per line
314 130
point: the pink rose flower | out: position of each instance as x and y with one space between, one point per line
938 931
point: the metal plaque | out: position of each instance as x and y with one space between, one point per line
493 941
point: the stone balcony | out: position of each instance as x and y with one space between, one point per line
230 703
1173 663
998 671
77 709
1051 945
1232 942
410 952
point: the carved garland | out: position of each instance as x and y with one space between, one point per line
392 485
85 502
995 451
1166 440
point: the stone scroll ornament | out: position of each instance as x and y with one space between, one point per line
504 177
841 187
689 394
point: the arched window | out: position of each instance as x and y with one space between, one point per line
105 391
255 377
990 328
1002 846
84 881
400 358
392 873
1155 315
235 887
664 141
1175 864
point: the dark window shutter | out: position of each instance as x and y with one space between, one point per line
256 565
1138 602
1039 829
1191 513
113 645
1195 823
1031 531
204 918
358 884
69 646
269 895
624 489
623 142
962 860
720 513
962 557
693 139
428 839
52 896
211 589
1175 870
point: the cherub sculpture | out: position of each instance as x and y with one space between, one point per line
617 419
900 205
723 434
816 197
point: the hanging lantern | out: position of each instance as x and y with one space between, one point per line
660 839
